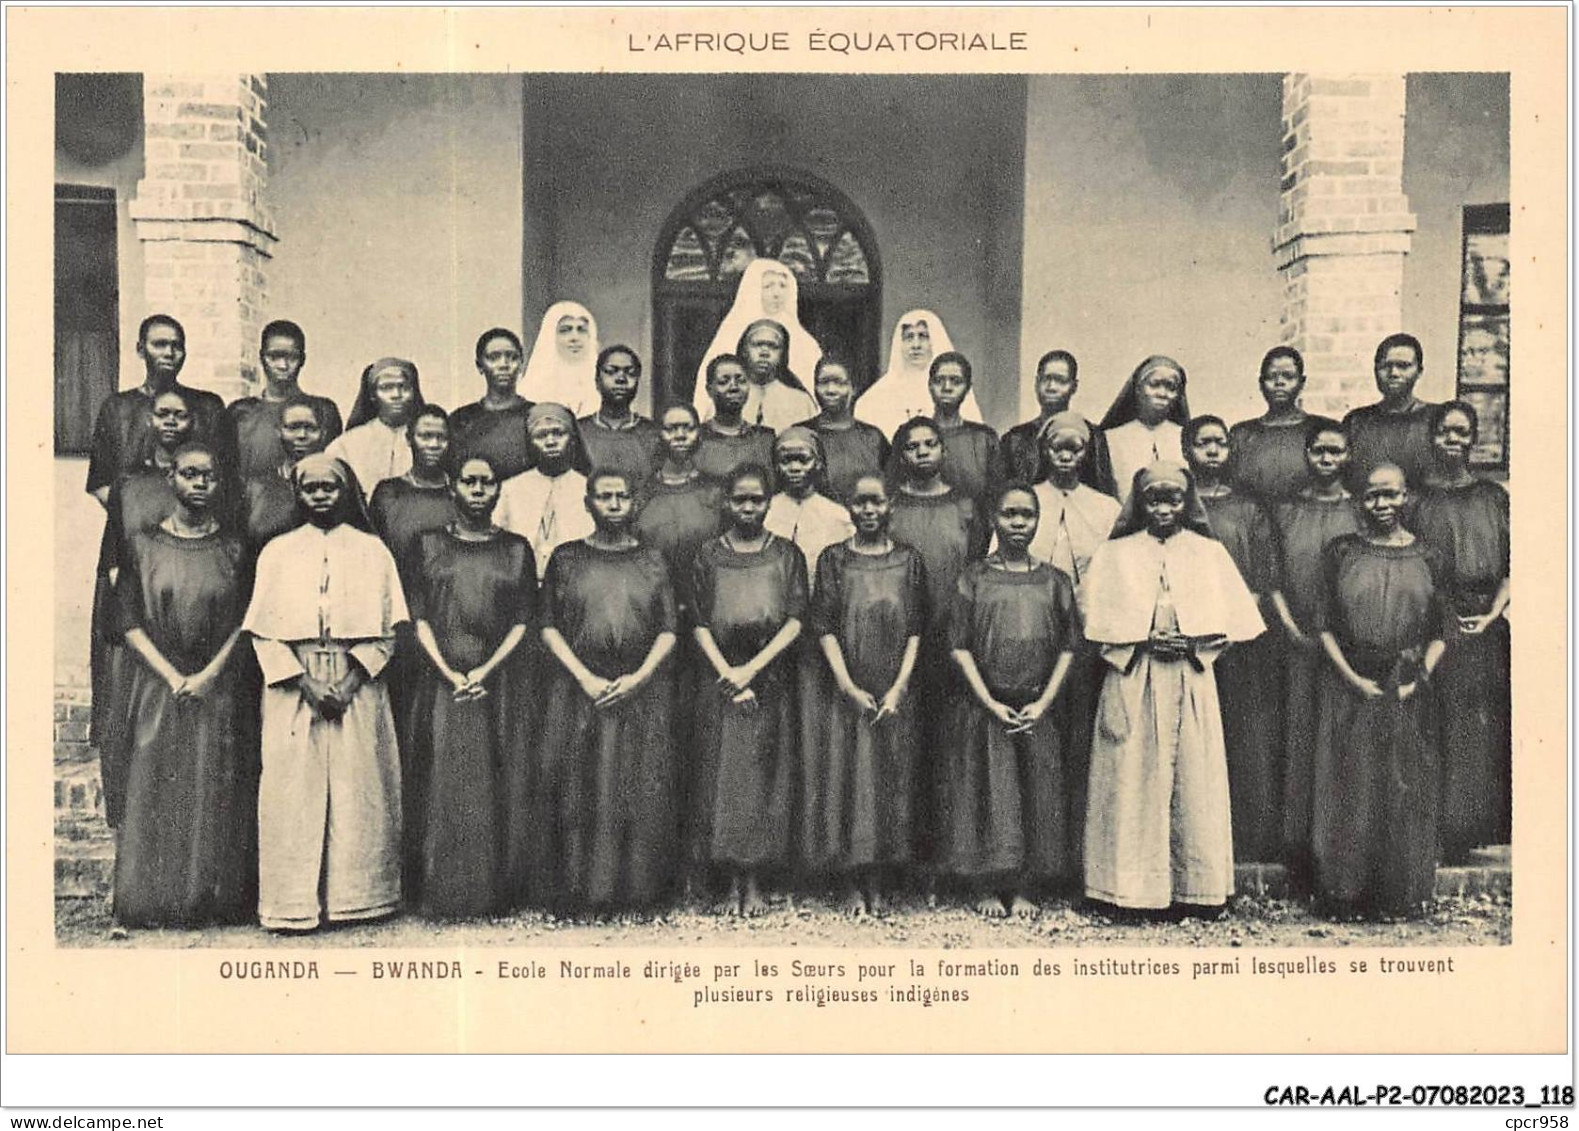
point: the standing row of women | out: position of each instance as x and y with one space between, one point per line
1008 684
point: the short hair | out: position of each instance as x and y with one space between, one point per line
1060 355
283 328
831 357
477 457
1439 414
1006 489
1289 352
498 332
1392 340
302 400
199 447
609 351
712 366
159 320
1193 428
749 470
423 413
1321 426
958 359
876 477
902 433
598 473
178 394
687 406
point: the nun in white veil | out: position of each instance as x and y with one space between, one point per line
767 290
564 359
901 392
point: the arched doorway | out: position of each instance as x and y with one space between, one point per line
796 218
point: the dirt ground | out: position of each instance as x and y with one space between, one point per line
1484 920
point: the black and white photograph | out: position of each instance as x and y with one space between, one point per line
512 520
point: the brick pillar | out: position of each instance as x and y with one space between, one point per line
1343 229
202 215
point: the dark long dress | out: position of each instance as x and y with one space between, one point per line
268 509
1402 438
856 778
257 425
1470 525
747 756
137 502
675 520
1304 527
182 842
971 466
633 450
1250 685
1012 805
499 434
1373 828
1021 459
604 818
718 455
945 529
402 513
852 452
123 441
465 775
1269 459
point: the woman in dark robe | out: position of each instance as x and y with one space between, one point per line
858 743
942 524
268 499
1467 519
1320 511
1006 827
472 592
617 437
181 844
1250 675
728 440
1381 621
748 601
971 465
405 508
852 447
1269 451
1019 450
680 509
495 426
604 824
257 419
138 500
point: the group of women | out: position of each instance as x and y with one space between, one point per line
520 656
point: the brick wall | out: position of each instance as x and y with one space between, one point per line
1343 229
202 216
84 845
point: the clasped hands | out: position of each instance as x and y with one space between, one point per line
330 700
606 693
881 710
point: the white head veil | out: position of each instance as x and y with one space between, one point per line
804 352
901 392
550 377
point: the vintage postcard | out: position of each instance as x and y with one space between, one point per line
787 530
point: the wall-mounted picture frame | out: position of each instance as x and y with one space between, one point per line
1484 330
